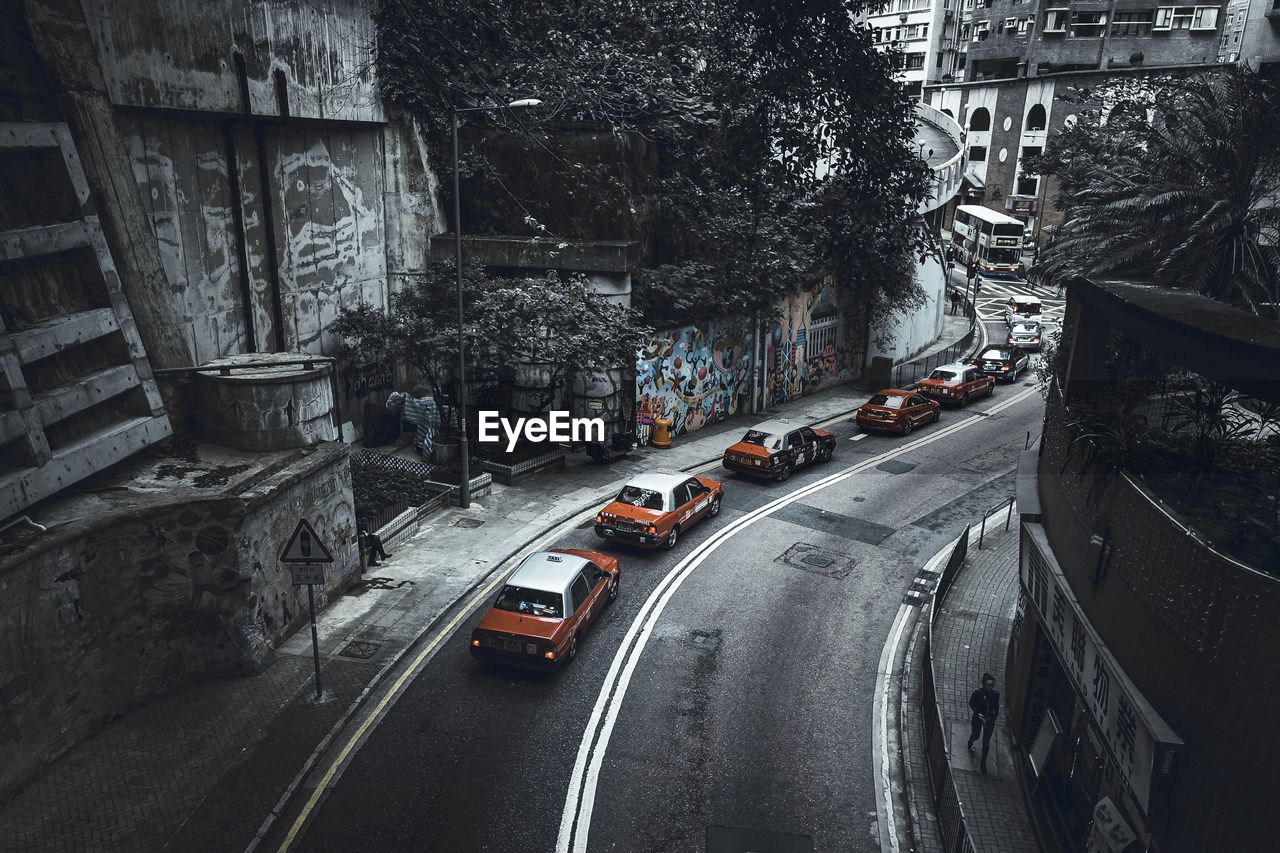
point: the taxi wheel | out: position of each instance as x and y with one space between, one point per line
937 414
715 508
672 538
785 472
964 401
573 651
825 454
908 426
613 590
991 391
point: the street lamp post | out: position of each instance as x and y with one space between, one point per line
464 450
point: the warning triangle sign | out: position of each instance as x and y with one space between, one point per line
305 546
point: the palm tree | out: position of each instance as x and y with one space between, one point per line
1175 179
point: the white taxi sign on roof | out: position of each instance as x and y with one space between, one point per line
305 546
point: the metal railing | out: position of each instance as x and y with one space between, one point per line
912 371
946 801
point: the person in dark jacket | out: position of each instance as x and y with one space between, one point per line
985 703
373 542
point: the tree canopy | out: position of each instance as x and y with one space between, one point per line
781 141
1175 179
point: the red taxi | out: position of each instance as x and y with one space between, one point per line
957 383
895 410
657 506
773 449
545 607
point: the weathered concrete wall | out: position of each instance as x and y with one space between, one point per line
125 601
182 54
265 403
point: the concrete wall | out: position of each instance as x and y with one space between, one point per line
109 610
917 329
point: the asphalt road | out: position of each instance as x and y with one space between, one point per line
740 721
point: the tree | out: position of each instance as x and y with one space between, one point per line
557 325
781 143
1176 179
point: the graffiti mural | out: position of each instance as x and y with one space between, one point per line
692 376
805 350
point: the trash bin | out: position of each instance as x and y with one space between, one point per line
661 433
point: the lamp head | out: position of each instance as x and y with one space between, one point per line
524 102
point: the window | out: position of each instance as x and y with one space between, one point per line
977 153
1031 150
1028 186
1055 20
1132 23
1009 25
981 30
1088 24
980 119
1024 25
1036 118
915 61
579 590
1205 18
1182 18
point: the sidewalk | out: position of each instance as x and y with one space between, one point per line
209 765
970 636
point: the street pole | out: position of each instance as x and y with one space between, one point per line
464 450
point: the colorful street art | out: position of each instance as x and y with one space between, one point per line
805 350
693 376
697 375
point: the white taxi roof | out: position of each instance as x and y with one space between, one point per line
659 481
957 366
1027 301
776 427
547 571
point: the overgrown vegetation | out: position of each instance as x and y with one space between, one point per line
1175 179
758 146
1211 453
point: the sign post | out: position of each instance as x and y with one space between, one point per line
306 556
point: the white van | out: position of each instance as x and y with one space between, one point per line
1020 308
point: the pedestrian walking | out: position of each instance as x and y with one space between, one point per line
955 302
985 703
373 542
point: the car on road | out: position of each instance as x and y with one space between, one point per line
1020 308
1025 334
657 506
896 410
956 383
545 608
773 449
1004 363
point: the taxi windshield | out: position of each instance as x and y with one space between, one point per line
535 602
764 439
886 401
636 496
944 375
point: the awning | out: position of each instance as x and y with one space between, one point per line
973 180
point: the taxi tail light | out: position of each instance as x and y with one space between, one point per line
549 654
475 642
767 462
600 518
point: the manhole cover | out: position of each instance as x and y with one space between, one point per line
360 649
468 522
893 466
817 560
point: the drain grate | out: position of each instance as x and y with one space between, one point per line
820 561
471 523
360 649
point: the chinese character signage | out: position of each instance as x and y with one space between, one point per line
1127 721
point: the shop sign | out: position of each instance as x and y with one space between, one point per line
1110 832
1131 727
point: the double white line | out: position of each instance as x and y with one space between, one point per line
575 823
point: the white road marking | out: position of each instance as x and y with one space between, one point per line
858 437
575 822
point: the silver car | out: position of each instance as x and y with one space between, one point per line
1025 334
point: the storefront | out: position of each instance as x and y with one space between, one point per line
1093 753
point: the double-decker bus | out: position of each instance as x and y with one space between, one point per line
992 239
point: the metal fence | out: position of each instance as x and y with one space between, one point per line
946 801
912 371
379 522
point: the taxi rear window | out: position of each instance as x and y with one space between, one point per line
636 496
1026 307
536 602
764 439
886 401
944 375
